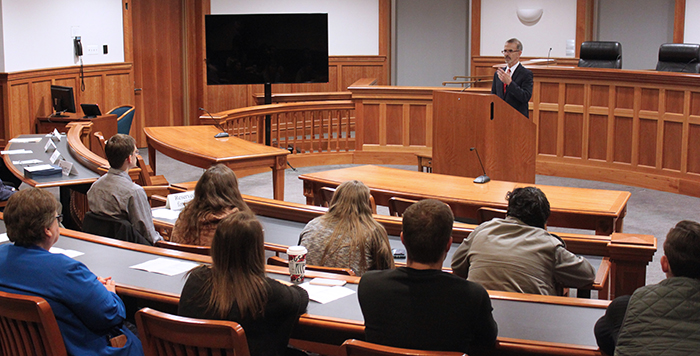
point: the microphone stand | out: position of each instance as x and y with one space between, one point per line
223 132
482 178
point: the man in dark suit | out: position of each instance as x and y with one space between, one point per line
513 83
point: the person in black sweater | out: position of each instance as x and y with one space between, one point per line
235 288
419 306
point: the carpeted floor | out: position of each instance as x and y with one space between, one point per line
648 212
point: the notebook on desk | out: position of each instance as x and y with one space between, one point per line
91 110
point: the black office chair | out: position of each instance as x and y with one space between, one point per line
679 57
600 54
107 226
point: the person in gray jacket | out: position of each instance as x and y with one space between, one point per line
663 318
517 254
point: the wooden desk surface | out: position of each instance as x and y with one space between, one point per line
200 148
196 145
569 206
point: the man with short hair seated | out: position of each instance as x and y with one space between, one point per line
420 306
115 195
517 254
663 318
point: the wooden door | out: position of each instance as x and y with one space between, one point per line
158 57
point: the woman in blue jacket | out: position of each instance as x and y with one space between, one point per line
89 313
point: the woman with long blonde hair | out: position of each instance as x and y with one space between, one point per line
235 288
348 236
216 196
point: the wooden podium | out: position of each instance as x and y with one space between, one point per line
504 138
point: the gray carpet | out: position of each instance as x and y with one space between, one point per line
648 212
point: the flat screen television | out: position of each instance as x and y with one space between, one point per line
266 48
62 99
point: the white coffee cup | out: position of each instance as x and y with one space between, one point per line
297 262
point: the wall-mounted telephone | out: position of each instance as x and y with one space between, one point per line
78 46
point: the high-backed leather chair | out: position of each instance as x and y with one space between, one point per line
679 57
600 54
28 327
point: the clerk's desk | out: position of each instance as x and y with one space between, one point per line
528 324
80 182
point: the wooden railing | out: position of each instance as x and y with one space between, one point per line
304 127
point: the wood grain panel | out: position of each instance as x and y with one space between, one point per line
624 97
647 142
574 94
371 124
41 98
622 151
694 148
549 93
600 95
117 91
673 140
417 126
597 137
547 136
695 103
353 73
573 135
674 101
158 63
91 96
650 99
20 120
394 120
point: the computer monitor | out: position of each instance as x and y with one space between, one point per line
62 99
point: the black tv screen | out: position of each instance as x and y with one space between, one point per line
267 48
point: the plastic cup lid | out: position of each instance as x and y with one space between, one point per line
296 250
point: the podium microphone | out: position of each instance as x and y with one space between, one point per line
223 132
482 178
548 54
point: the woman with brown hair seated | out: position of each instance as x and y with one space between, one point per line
234 287
216 196
348 236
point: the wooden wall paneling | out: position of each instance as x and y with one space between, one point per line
547 128
94 92
158 63
573 135
20 119
660 128
384 40
405 125
382 129
686 132
598 137
417 126
672 145
636 104
370 123
610 149
560 119
394 120
693 150
40 99
647 141
679 22
4 109
623 139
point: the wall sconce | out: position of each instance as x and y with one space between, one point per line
529 17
